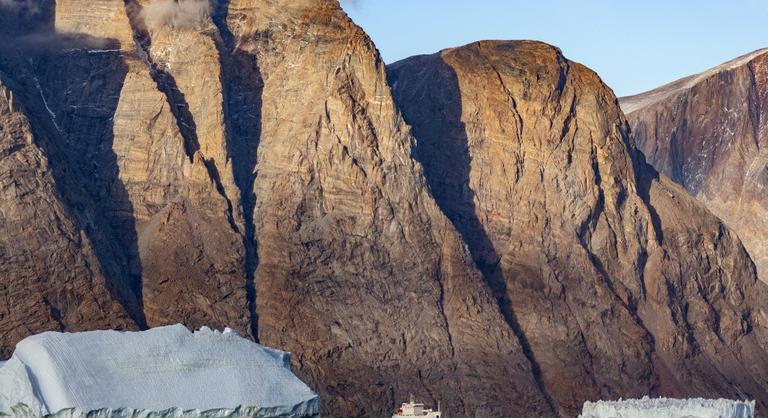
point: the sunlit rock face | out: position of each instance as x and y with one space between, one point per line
384 297
245 165
595 259
709 133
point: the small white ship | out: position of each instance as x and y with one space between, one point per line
413 410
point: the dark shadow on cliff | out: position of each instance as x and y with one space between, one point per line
243 89
442 148
645 175
21 18
71 88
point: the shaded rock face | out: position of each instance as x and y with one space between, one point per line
709 133
616 281
108 115
52 278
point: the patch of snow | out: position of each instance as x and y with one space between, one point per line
167 370
45 103
669 408
102 51
630 104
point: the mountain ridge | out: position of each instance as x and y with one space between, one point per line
634 102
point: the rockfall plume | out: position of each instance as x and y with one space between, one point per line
709 133
618 282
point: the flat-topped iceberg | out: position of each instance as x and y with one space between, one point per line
166 371
669 408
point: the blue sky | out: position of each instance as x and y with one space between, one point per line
633 45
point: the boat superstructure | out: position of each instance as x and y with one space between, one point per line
413 409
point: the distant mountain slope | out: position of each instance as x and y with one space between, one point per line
709 133
619 282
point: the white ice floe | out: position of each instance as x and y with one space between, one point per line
669 408
167 371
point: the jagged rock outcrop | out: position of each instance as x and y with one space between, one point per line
620 284
709 133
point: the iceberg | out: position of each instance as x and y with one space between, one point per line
669 408
162 372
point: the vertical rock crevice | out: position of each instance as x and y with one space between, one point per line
243 88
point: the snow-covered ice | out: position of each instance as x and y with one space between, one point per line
669 408
166 371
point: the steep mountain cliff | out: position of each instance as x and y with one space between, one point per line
359 273
116 128
246 165
709 133
619 283
51 276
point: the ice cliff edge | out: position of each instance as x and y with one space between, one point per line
669 408
160 371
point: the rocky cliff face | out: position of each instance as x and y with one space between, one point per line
246 165
52 278
709 133
618 282
359 273
126 140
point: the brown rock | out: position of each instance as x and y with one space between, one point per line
129 162
359 273
249 163
709 133
50 275
621 284
192 241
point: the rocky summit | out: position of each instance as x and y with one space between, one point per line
475 226
709 133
